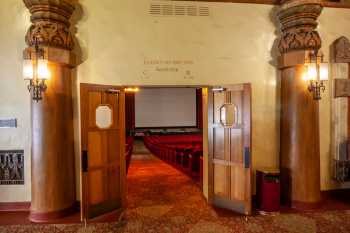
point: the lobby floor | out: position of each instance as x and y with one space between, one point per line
163 200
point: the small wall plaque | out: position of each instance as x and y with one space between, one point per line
8 123
11 167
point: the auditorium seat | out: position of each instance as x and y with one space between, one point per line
181 151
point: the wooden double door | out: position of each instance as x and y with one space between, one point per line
229 154
103 148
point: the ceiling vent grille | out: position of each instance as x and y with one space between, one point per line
158 9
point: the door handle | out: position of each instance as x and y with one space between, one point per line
113 91
84 162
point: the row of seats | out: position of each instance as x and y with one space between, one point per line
184 152
129 142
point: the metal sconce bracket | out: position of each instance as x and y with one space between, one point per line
36 86
316 86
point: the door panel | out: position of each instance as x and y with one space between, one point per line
229 145
103 140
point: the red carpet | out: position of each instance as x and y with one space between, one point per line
163 200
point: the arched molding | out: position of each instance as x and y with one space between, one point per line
341 50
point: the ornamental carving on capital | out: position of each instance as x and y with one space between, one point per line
50 23
298 21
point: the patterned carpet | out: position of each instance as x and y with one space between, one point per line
163 200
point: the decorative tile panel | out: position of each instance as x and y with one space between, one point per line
11 167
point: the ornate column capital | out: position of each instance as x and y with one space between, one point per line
298 19
50 23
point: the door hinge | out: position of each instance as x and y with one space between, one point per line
246 157
84 162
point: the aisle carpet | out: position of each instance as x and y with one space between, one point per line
163 200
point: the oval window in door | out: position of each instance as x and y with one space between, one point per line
228 115
104 116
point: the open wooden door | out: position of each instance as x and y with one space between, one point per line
229 129
103 150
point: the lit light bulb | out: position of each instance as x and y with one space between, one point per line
324 72
27 69
131 89
312 72
43 69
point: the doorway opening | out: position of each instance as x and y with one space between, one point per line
164 144
188 142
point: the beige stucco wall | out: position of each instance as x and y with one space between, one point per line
14 97
224 48
333 23
117 38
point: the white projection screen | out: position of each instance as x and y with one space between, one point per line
165 107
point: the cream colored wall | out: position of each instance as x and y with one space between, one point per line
231 46
333 23
14 97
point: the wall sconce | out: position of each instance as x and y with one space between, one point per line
316 74
35 69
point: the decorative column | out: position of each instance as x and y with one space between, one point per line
300 153
52 168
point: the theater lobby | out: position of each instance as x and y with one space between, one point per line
165 116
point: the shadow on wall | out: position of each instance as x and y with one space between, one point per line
81 53
80 47
274 62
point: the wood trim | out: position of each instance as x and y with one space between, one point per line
40 217
14 206
273 2
247 129
336 5
123 188
210 146
166 127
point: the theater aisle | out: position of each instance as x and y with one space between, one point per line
162 199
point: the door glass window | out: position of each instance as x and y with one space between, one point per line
228 115
104 116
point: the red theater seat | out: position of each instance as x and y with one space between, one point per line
181 151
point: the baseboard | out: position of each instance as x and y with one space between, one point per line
14 206
42 217
326 195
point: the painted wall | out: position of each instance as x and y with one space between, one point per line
120 43
333 24
14 97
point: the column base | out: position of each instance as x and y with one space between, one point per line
43 217
299 205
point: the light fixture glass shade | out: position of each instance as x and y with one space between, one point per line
324 71
43 69
310 72
27 69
